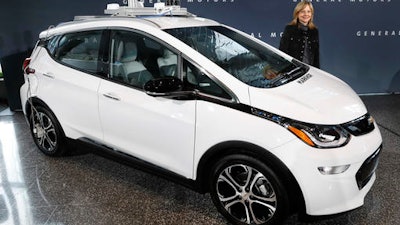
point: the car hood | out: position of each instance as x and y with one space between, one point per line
317 97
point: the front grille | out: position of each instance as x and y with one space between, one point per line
367 169
360 126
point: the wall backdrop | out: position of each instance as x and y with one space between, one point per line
359 39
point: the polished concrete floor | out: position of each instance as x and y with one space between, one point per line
85 188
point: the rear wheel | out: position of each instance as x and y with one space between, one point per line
47 132
246 191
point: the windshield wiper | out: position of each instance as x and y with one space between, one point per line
293 71
285 77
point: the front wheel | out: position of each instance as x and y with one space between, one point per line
47 132
246 191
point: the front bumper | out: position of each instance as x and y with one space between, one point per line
326 194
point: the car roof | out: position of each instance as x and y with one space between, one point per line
167 22
160 22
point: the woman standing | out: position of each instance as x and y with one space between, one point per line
300 38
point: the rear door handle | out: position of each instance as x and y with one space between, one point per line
49 75
112 96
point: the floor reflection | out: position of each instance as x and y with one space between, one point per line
14 200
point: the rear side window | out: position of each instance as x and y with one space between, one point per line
77 50
52 44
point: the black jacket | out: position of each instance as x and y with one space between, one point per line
293 43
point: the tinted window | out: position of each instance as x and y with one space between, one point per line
52 45
136 59
78 50
247 60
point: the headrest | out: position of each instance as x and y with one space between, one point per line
130 52
168 58
167 53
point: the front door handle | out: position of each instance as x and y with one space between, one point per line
112 96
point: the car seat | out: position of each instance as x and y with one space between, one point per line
134 71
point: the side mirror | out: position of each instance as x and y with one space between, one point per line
166 87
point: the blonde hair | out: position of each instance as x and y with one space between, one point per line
300 6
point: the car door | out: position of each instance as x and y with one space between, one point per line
155 129
69 77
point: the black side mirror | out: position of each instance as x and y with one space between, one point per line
166 87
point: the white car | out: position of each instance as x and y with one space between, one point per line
211 107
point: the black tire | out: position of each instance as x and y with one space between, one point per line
246 191
47 132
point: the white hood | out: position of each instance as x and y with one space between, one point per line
320 99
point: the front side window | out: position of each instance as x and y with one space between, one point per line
78 50
136 59
247 60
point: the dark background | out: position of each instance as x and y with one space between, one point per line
351 47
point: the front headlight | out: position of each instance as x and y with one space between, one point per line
319 136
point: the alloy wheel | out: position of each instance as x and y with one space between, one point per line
44 131
246 194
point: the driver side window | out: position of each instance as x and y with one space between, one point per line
126 65
135 59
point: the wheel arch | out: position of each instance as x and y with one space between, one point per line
58 138
34 101
217 152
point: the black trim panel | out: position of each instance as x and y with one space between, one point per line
137 163
364 174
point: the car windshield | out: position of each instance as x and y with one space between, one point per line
247 60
